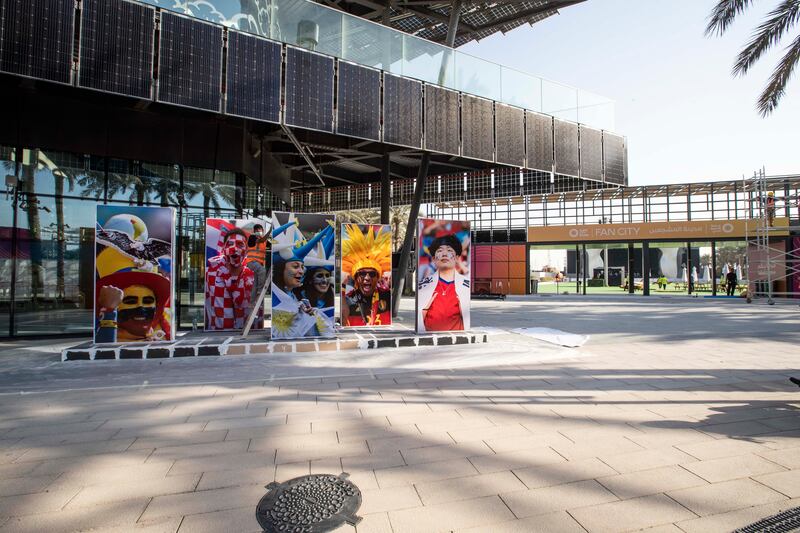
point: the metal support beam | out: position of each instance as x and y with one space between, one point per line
304 153
405 251
646 268
386 187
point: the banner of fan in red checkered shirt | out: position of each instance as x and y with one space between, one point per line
237 266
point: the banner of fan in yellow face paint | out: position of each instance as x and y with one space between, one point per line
366 291
133 298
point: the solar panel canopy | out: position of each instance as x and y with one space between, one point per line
614 158
358 110
402 111
36 38
539 139
190 63
116 53
591 153
510 131
565 135
253 78
477 128
309 90
441 120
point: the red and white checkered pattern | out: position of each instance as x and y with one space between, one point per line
227 299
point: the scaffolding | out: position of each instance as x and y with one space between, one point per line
773 250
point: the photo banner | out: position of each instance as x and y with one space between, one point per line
303 262
443 277
366 275
237 265
133 298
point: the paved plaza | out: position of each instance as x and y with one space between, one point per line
676 415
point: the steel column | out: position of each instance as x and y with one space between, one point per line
405 251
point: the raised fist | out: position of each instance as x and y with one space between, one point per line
109 298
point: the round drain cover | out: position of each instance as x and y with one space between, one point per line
309 504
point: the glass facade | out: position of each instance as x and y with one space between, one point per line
336 33
47 226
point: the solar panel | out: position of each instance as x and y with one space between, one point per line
510 128
591 141
36 38
309 90
441 120
615 158
358 110
477 128
117 47
190 63
402 111
253 77
539 134
565 135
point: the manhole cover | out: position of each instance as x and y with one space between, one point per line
309 504
785 521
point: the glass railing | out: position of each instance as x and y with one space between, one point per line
333 32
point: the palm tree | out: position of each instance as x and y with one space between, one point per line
769 33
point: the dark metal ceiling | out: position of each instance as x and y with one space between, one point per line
428 19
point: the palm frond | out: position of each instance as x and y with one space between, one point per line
723 15
768 101
768 34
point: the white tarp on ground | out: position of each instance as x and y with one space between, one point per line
554 336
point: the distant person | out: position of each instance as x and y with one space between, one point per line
771 208
731 282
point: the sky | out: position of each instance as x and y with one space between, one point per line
686 118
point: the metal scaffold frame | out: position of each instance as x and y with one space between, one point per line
765 254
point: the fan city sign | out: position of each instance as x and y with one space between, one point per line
648 231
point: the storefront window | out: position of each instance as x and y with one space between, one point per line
731 256
8 167
192 248
549 268
54 261
62 174
214 191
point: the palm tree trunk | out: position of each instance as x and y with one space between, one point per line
34 227
60 235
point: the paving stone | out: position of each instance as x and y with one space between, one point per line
725 496
204 502
729 521
234 478
727 468
645 459
122 514
223 462
789 458
388 499
25 485
408 475
516 459
560 521
630 515
448 516
221 448
646 482
108 493
41 502
565 472
787 483
430 454
557 498
199 437
465 488
720 448
241 520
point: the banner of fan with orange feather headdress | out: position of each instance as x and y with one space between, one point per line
369 249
